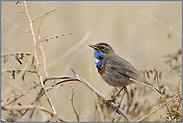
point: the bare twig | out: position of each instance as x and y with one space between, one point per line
72 103
40 45
78 78
46 94
66 54
10 108
43 15
36 59
94 92
157 93
23 94
158 108
157 77
156 72
15 53
18 79
16 26
18 70
18 89
32 32
56 36
163 117
145 85
70 51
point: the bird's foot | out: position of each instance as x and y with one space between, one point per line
109 102
118 106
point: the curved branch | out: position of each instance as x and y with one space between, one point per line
79 79
31 107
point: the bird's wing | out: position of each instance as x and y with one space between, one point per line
124 68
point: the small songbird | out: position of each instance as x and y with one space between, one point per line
115 70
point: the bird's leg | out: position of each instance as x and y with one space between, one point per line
112 100
125 89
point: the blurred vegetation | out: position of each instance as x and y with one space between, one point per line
46 39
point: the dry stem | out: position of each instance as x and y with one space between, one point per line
94 92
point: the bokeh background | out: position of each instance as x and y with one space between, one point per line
140 32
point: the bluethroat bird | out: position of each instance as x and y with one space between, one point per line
115 70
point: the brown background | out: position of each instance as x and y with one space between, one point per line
140 32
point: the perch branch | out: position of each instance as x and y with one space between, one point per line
94 92
78 78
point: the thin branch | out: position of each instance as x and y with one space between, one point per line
100 95
157 77
32 32
18 108
70 51
18 79
56 36
13 87
8 20
46 94
78 78
158 108
22 95
15 53
66 54
40 45
36 59
156 72
47 13
94 92
72 103
157 93
145 85
18 70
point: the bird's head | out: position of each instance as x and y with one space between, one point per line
101 50
102 47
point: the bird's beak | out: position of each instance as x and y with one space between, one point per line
93 46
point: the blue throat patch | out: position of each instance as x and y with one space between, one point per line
98 56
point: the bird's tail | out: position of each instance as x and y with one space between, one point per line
147 84
155 89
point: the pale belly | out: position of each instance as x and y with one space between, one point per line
116 80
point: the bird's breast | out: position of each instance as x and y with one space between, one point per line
102 69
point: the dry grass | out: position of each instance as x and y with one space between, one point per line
35 52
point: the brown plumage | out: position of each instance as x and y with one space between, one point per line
115 70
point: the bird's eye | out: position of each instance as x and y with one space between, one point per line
102 47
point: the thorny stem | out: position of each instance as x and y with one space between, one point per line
36 59
72 103
32 31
